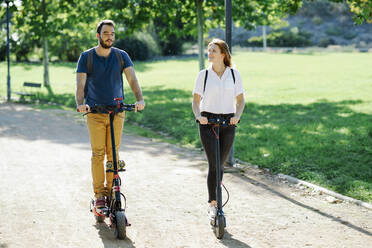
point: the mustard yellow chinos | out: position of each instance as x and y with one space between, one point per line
100 140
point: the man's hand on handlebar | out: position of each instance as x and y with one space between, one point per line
140 105
83 108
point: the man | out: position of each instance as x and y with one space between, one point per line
99 81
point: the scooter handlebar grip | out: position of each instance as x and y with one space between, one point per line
78 110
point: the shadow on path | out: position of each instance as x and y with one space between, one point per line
108 237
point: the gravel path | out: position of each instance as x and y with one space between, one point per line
45 189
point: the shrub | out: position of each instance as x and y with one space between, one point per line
284 38
150 42
172 45
21 49
68 45
137 49
350 35
325 42
322 8
317 20
334 30
67 49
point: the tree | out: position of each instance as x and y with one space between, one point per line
71 23
361 8
191 17
40 20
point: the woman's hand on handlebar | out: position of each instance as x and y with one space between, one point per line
83 108
234 120
202 120
140 105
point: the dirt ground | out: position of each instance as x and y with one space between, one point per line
45 190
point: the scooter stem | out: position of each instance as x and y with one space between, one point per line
219 176
114 159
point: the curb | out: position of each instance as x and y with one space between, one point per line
316 187
326 191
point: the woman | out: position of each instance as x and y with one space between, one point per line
218 92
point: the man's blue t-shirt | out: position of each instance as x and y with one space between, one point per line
105 82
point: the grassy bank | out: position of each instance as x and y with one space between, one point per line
309 116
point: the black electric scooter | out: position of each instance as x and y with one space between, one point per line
113 210
219 222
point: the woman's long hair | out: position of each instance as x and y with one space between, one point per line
224 50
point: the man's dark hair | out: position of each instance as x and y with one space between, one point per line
104 22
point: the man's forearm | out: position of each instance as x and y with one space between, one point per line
79 98
136 90
80 85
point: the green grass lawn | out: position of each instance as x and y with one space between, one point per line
306 115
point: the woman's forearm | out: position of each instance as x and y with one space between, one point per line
240 104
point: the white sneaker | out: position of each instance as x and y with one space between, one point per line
212 212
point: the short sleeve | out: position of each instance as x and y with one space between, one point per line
199 83
82 63
238 84
127 61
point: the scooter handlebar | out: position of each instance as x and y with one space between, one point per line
100 108
218 121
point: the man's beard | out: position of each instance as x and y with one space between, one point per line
103 44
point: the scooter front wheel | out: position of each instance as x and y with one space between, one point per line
219 227
120 225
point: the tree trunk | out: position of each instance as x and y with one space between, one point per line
45 46
228 23
199 5
46 62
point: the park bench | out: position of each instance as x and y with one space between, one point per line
27 86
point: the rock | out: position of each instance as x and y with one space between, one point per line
333 200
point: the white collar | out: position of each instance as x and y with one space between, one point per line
211 69
224 75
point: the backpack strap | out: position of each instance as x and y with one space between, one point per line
117 54
90 61
89 68
205 79
232 72
119 58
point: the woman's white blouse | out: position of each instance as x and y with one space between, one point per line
220 94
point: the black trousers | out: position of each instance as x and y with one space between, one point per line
208 139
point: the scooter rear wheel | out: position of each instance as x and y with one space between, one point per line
120 225
219 226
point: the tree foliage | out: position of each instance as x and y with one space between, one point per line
362 9
70 25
